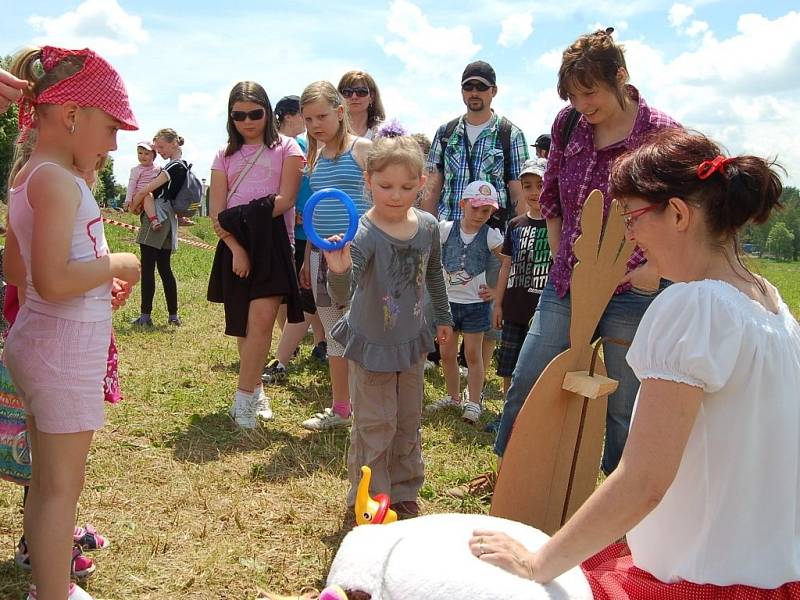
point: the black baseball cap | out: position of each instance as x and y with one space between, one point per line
288 105
543 142
480 70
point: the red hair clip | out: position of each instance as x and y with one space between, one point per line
708 167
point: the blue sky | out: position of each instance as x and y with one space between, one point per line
727 68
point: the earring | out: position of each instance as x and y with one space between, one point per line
72 128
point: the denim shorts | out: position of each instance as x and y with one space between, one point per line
471 318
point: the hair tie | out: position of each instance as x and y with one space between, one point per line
717 165
392 129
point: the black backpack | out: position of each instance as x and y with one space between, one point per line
569 126
499 218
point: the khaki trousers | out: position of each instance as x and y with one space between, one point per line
385 435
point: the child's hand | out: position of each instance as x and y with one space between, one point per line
339 261
497 317
125 266
241 262
221 233
120 291
304 277
443 334
486 293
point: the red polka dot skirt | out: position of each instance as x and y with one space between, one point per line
612 576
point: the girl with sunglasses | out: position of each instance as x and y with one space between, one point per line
256 162
337 159
364 105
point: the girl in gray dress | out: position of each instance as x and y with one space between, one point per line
393 260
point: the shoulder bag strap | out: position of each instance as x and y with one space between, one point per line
243 173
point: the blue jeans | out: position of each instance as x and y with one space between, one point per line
549 336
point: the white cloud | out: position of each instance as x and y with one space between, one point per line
550 59
101 25
740 90
423 48
696 28
515 29
678 13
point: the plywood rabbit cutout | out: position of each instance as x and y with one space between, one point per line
550 465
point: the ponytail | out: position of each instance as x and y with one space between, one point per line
24 66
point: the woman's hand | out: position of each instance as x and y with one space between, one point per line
497 316
339 261
486 293
10 89
503 551
241 262
644 278
444 334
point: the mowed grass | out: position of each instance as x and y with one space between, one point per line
198 509
783 275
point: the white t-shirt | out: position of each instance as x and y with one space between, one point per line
461 287
731 515
473 131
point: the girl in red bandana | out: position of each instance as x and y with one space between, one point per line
57 255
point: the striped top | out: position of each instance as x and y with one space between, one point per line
344 173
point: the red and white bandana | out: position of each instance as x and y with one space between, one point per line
96 85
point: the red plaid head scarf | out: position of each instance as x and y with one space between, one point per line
96 85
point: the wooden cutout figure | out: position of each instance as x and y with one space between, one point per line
552 460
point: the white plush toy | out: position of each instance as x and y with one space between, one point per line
429 558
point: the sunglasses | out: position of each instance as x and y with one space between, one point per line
361 92
631 216
253 115
471 86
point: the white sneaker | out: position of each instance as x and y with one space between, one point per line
472 412
429 365
263 409
244 411
75 593
327 420
463 371
446 402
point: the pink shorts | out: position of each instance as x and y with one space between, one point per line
58 367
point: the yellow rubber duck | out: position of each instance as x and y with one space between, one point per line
368 510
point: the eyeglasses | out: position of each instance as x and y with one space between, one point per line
361 92
470 86
253 115
631 216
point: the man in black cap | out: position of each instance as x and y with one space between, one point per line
479 145
542 145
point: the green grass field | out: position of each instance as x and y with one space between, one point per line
198 509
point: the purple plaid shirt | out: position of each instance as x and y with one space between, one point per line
576 170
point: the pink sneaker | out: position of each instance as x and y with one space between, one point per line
88 538
82 566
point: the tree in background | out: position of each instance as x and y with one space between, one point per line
780 241
789 216
106 189
8 135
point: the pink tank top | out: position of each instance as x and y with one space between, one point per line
88 243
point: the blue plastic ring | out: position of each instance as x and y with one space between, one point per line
308 218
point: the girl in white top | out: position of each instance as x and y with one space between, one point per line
708 489
56 253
